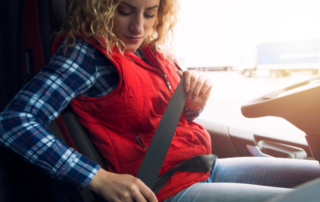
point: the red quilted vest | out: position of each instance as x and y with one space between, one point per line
122 123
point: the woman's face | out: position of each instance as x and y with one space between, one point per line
133 21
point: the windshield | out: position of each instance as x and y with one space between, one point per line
249 48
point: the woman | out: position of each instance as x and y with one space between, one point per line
108 66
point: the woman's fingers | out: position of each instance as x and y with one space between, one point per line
205 88
187 76
180 73
190 80
198 89
147 193
193 84
121 187
199 84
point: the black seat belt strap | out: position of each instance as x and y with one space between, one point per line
199 163
160 143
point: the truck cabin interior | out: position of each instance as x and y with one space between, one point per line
25 47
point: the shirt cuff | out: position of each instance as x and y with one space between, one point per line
78 169
192 114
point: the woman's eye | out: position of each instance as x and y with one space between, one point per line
124 13
149 16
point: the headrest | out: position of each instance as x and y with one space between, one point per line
58 11
51 15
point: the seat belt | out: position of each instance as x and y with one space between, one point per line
160 143
200 163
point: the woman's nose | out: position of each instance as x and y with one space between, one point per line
136 26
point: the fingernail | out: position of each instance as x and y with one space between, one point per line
200 94
189 95
193 98
186 88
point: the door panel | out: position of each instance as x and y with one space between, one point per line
229 141
222 145
283 144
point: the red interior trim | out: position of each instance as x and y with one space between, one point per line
31 35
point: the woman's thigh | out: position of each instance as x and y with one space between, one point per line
226 192
249 179
276 172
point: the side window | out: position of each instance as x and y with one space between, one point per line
248 49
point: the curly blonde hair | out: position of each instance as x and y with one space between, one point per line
94 19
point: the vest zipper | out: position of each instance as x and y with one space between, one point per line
160 71
164 75
140 142
168 83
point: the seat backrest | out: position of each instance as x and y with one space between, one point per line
11 45
51 14
27 43
50 17
19 181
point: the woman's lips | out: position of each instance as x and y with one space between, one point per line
133 39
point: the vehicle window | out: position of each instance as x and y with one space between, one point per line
249 48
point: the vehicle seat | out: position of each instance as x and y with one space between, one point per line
19 181
42 20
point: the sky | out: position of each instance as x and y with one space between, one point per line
226 32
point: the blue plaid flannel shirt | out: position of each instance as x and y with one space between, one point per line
82 71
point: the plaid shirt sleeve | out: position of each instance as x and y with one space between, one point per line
23 122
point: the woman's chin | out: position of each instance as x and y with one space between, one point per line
132 47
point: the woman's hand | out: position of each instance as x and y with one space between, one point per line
198 89
120 187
